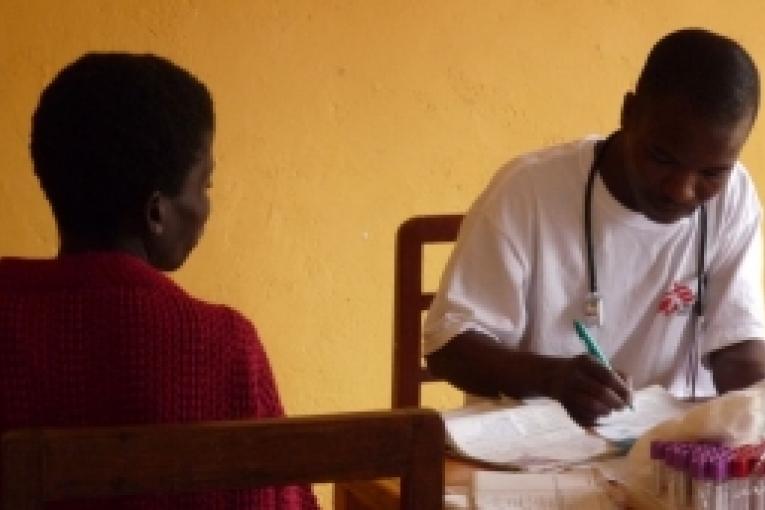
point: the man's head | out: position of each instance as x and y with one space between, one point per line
684 126
121 144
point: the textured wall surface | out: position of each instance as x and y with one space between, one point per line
336 121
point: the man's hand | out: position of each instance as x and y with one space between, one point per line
739 365
482 366
586 388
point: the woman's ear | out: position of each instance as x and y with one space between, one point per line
155 214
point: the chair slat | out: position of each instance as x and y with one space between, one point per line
58 464
410 300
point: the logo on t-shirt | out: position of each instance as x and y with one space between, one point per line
677 300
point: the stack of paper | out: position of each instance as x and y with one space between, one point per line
540 433
527 436
576 490
652 405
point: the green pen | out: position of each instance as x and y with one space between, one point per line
592 347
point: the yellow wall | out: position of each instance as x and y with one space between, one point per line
337 120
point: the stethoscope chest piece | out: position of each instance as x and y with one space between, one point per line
593 309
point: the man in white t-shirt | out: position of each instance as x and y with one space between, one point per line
670 209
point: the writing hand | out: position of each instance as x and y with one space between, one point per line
586 388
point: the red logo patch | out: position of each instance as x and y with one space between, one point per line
677 300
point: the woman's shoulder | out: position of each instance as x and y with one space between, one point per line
219 312
224 323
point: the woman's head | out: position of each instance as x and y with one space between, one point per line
121 144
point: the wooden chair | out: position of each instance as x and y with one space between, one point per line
41 465
410 300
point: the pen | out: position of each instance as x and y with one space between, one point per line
592 347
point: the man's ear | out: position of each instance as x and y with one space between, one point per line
155 214
628 110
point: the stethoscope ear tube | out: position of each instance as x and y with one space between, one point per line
593 303
600 149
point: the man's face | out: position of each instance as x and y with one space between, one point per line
674 159
184 215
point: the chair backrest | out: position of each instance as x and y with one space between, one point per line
410 300
42 465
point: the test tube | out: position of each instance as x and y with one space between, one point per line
719 475
659 472
757 480
678 480
701 481
738 482
669 472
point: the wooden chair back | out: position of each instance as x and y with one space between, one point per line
410 300
41 465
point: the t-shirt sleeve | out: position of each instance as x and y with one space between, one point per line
484 285
735 301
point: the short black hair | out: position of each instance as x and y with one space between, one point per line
111 129
714 72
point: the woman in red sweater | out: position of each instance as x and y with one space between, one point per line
121 145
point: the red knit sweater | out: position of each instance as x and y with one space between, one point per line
104 339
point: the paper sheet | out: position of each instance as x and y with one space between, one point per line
527 436
653 405
457 498
575 490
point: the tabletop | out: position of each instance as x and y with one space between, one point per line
383 494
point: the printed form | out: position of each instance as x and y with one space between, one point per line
576 490
533 435
653 405
540 434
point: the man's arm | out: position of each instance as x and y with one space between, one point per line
739 365
480 365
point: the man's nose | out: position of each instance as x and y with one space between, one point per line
682 188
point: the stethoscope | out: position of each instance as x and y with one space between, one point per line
593 303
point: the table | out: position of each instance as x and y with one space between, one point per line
383 494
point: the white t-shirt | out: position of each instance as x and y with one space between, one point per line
518 272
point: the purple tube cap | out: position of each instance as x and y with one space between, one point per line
658 449
718 469
698 468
